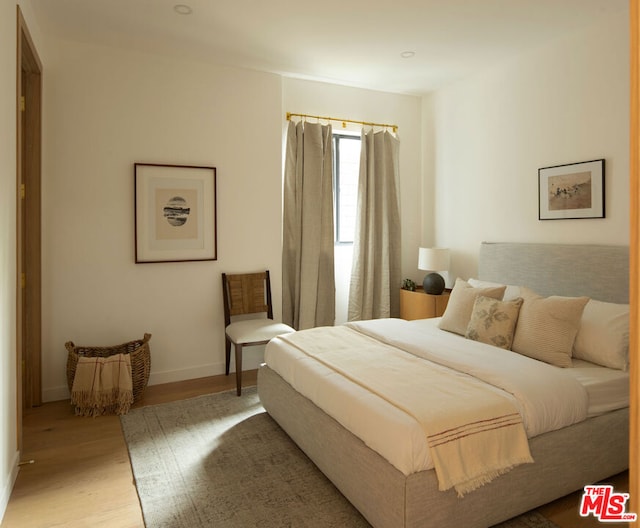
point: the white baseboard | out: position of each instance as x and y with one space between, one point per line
169 376
52 394
249 362
7 486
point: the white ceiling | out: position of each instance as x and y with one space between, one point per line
352 42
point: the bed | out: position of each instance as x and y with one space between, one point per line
372 449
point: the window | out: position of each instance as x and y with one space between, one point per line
346 151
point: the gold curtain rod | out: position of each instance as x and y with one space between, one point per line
343 121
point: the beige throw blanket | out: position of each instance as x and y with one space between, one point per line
102 385
474 433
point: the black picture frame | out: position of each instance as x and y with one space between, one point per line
572 191
175 213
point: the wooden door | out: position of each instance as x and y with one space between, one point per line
28 309
634 243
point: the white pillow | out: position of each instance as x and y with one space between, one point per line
510 293
603 336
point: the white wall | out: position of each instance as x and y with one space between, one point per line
472 150
106 108
9 455
565 103
8 446
307 97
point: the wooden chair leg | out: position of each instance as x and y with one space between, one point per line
238 368
227 345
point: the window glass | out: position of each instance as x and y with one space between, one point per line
347 168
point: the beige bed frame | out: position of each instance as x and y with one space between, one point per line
565 460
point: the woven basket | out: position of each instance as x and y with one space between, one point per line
140 360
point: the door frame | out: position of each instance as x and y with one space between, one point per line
28 224
634 245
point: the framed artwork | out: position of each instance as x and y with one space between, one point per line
575 190
175 213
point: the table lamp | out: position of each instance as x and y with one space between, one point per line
433 260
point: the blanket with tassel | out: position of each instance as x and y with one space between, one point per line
102 385
474 432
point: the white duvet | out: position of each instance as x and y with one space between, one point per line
547 397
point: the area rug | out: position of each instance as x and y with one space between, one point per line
221 461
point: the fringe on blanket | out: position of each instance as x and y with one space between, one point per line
471 485
102 386
114 401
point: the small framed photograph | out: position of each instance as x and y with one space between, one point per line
175 213
575 190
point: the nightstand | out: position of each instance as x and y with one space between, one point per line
420 305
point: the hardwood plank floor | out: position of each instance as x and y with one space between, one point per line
81 476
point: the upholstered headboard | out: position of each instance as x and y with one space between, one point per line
597 271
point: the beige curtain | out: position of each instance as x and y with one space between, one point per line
375 273
308 285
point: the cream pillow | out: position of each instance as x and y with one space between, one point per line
494 322
547 327
458 312
603 337
510 293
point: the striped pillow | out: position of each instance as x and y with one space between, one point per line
547 327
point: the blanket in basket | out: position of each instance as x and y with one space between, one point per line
102 385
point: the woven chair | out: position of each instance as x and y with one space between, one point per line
248 294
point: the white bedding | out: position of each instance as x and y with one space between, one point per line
608 389
563 398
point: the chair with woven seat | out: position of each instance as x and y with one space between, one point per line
246 294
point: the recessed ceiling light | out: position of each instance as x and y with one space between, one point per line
408 54
182 9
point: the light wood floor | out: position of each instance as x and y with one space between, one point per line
80 476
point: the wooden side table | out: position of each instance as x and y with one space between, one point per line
420 305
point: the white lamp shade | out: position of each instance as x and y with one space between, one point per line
433 259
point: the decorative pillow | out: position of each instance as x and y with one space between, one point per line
494 322
510 293
458 312
547 327
603 337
